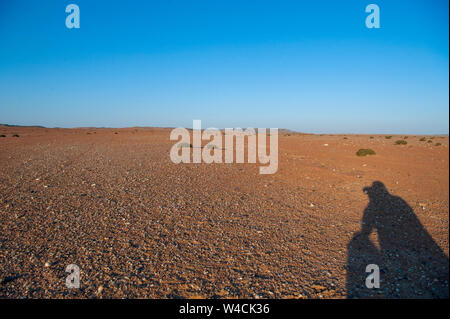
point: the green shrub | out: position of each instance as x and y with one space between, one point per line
401 142
429 141
16 135
365 151
388 137
423 139
437 144
3 135
371 137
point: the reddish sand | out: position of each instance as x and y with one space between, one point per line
139 225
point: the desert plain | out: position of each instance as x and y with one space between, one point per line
139 226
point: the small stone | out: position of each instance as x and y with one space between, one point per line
47 264
222 293
318 287
99 289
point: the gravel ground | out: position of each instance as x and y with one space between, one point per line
139 226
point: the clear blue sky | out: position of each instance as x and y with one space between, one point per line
310 66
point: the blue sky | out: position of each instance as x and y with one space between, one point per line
310 66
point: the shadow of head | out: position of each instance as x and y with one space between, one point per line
386 208
377 189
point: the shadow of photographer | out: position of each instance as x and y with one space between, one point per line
411 264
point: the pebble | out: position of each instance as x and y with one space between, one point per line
318 287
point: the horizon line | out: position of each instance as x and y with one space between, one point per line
285 130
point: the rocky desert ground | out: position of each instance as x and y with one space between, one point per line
140 226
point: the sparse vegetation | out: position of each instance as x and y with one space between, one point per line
371 137
345 138
2 135
365 152
116 133
423 139
388 137
401 142
15 135
437 144
405 137
430 141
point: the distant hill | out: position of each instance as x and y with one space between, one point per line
12 125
